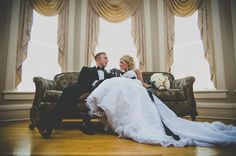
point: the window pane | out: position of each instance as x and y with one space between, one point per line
116 40
189 53
42 52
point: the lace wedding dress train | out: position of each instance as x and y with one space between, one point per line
131 114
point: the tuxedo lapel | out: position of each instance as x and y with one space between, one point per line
106 74
95 73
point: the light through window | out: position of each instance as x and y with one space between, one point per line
189 53
42 51
115 39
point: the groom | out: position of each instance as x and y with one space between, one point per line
89 78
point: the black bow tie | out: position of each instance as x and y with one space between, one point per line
99 68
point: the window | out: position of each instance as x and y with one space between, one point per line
115 39
42 52
189 53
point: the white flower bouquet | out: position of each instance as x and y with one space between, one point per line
160 81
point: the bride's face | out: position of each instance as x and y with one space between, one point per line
123 65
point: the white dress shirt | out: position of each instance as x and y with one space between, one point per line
101 76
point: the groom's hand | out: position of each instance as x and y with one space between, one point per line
116 72
96 84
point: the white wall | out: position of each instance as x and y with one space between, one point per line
5 12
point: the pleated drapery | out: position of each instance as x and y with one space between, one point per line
48 7
115 11
183 7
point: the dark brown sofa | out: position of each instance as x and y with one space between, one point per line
179 97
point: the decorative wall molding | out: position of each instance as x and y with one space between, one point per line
17 105
217 94
221 110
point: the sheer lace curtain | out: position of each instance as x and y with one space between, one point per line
46 8
205 27
138 34
170 36
187 8
92 33
25 24
115 11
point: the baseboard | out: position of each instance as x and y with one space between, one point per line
14 120
217 110
215 118
16 106
14 114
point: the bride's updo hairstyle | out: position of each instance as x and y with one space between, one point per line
129 60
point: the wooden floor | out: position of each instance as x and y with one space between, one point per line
17 139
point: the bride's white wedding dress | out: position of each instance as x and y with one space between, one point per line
131 114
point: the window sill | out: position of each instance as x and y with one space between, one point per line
18 95
213 94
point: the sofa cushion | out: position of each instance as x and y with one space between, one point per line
170 95
52 95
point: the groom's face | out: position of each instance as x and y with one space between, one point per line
102 60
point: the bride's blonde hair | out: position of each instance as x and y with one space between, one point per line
129 60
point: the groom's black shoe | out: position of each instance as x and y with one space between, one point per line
88 128
45 129
45 133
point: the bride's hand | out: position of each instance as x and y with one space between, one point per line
147 85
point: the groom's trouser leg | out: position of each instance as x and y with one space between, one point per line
150 90
66 102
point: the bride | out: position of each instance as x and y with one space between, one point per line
132 114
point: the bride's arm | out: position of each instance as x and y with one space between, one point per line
140 77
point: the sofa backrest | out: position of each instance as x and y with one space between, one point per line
66 79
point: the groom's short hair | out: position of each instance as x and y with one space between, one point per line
99 54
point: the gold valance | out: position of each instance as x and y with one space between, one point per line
115 10
48 7
183 7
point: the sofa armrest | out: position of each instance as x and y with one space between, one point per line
184 83
187 85
42 85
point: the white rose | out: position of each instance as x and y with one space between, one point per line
157 84
167 84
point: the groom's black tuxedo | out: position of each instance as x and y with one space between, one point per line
68 99
87 76
85 82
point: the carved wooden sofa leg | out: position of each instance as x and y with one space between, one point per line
193 117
